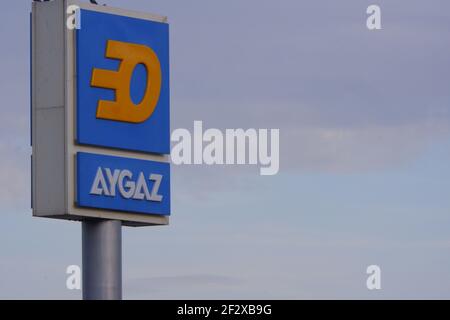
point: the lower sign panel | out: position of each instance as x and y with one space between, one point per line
123 184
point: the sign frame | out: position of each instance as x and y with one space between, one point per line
53 113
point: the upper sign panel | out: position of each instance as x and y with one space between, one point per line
122 85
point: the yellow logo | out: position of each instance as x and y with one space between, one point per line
123 108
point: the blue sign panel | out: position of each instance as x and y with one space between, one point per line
124 184
122 85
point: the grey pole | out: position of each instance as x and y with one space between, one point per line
102 259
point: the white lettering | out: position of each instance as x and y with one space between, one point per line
112 179
74 17
240 146
213 152
126 190
374 280
99 186
141 189
374 20
181 152
73 281
157 178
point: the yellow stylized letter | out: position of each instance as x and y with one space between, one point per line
123 108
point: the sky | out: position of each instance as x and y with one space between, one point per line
364 119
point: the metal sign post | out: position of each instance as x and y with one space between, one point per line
102 259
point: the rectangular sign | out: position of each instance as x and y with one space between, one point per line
100 113
122 85
124 184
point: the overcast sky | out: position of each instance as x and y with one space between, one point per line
364 119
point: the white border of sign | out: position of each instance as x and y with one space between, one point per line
53 117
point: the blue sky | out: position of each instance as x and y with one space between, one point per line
364 176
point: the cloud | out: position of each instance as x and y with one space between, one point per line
359 149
